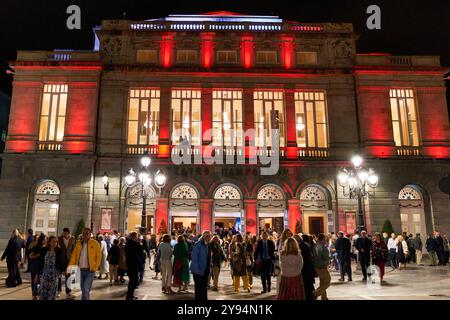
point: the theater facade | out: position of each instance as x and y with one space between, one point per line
76 115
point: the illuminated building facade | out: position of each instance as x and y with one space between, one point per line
78 114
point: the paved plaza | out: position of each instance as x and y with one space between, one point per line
416 282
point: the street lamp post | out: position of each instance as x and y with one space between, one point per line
144 178
355 182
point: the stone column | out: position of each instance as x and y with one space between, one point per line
162 214
294 213
251 216
206 214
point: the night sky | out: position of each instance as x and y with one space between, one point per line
408 27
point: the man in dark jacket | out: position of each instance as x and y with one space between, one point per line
308 271
30 238
431 248
134 257
217 256
343 248
418 247
364 247
66 243
13 257
439 248
264 257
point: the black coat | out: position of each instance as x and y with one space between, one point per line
260 247
308 271
343 248
431 245
366 245
134 255
13 252
114 255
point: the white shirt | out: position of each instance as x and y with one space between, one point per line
83 263
66 241
392 244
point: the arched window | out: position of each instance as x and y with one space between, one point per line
46 208
409 193
184 191
270 192
227 192
313 193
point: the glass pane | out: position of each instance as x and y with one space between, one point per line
416 217
414 136
217 133
43 129
154 133
217 110
411 109
394 111
134 107
176 115
237 110
196 132
320 112
45 104
132 132
196 108
176 131
397 138
310 124
53 117
322 136
144 105
60 130
404 123
62 105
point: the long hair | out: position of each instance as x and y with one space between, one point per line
284 235
291 247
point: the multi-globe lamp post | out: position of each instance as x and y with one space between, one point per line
144 178
355 182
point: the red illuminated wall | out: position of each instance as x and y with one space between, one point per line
24 117
434 124
167 45
207 49
81 117
206 113
247 51
375 121
161 213
164 123
294 213
287 51
206 214
250 215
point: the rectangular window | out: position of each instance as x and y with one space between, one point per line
404 118
306 58
311 119
53 112
268 115
187 56
227 118
226 56
143 117
266 57
186 116
147 56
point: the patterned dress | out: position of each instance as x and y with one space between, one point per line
180 264
49 278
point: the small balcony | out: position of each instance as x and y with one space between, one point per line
313 152
140 149
407 151
49 146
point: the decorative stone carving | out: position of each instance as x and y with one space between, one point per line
227 192
48 188
112 46
136 192
343 49
270 193
313 193
184 191
409 193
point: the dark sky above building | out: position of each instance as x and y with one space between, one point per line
408 27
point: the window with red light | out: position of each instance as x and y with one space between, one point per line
186 116
268 115
187 56
227 118
266 57
404 117
307 58
53 112
143 117
226 56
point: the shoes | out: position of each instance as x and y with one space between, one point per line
341 279
268 289
264 291
248 290
364 279
350 279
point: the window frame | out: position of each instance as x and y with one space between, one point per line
399 114
266 51
50 107
234 123
156 51
299 63
227 62
181 114
196 60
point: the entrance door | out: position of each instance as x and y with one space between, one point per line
135 218
413 221
316 225
45 218
181 222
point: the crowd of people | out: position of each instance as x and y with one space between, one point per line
294 262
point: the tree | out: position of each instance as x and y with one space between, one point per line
162 227
387 227
80 227
298 227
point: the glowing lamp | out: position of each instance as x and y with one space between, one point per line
145 161
357 160
130 178
160 180
363 175
343 178
372 179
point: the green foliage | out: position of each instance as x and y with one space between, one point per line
80 227
298 227
387 227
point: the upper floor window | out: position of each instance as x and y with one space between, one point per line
227 118
53 112
226 56
311 119
186 116
187 56
266 57
269 114
143 117
307 58
147 56
404 117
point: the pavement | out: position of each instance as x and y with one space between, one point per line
414 283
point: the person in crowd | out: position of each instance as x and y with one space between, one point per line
412 252
385 238
239 265
343 248
333 254
430 245
286 234
87 255
165 263
173 240
418 247
379 254
264 257
231 253
402 252
122 268
152 246
249 261
145 252
217 257
134 253
354 251
66 243
181 264
321 261
35 260
104 266
364 247
291 263
392 247
13 255
201 265
308 272
48 282
439 247
29 241
157 260
114 260
446 248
